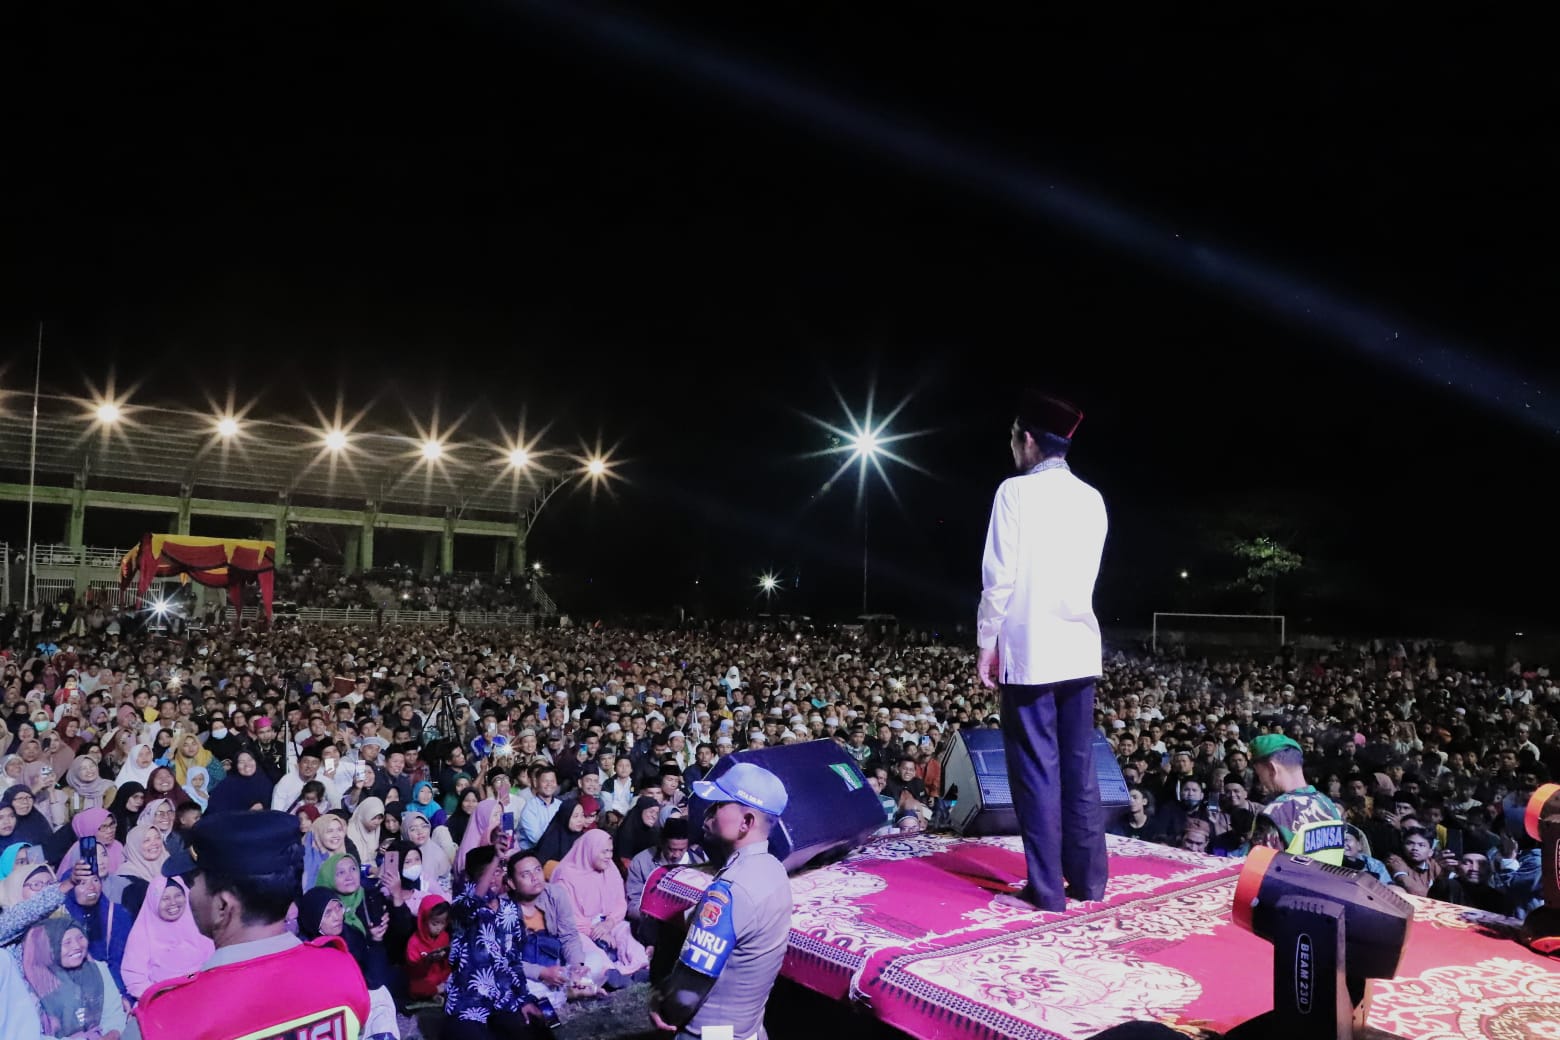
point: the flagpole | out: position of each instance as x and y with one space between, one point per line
32 475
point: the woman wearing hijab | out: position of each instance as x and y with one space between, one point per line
24 882
70 733
363 830
164 943
31 827
589 878
221 742
243 789
641 830
13 856
460 819
484 821
128 801
196 779
138 767
76 994
435 861
367 920
100 824
189 755
423 802
567 825
163 784
11 773
160 813
327 838
320 915
144 856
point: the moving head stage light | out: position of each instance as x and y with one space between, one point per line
1332 930
1541 927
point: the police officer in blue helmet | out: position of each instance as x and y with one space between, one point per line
737 933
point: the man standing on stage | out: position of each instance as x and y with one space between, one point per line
1040 641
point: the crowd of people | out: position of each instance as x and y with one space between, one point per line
400 587
480 810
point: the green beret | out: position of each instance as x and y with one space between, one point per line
1268 743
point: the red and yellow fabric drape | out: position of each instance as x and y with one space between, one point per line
214 562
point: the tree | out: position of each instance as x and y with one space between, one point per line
1265 560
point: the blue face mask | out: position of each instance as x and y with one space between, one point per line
42 727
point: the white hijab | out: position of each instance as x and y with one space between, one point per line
132 773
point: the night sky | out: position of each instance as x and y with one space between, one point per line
1298 277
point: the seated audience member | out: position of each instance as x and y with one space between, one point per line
164 942
77 996
428 950
588 878
673 850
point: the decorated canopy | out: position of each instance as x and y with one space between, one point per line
215 562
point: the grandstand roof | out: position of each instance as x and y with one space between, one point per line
158 451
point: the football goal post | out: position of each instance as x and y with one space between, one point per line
1236 631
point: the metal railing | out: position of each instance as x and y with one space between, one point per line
66 556
368 616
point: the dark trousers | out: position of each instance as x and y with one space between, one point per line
1048 733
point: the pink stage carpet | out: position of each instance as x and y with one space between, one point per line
907 927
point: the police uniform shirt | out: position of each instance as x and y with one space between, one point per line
1043 548
738 933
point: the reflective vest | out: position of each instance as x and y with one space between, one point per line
314 991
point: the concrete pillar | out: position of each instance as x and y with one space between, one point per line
278 533
366 543
181 520
76 525
430 555
517 560
447 544
351 553
500 557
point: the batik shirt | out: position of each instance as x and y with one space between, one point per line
486 977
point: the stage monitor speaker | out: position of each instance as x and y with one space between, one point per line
830 807
976 763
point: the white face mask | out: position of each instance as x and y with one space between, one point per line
412 872
218 734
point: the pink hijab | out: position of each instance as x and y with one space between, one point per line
158 950
84 824
479 831
596 893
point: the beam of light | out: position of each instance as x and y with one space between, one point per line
768 583
1425 356
432 450
335 440
227 427
519 458
108 413
865 442
596 467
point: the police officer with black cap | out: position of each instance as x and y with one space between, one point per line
738 931
243 870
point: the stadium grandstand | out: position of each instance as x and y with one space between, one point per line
179 467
